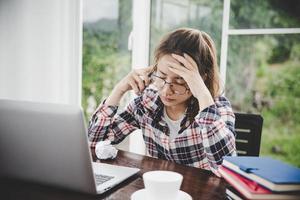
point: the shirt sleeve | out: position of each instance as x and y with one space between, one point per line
107 124
216 124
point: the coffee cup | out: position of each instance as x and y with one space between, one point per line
162 185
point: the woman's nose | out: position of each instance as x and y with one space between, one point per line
166 90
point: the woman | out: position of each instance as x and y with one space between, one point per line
179 107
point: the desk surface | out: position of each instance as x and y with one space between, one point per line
200 184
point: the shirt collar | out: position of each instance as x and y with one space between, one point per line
154 105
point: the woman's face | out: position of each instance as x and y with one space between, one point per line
173 94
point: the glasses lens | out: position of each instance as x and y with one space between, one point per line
178 89
157 82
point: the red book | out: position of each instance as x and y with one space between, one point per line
250 189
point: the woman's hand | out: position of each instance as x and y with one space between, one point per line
190 73
136 80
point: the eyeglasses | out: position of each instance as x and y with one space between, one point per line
160 82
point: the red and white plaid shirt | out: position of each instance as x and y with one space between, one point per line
200 143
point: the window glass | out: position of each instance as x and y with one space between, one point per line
264 14
167 15
263 76
106 59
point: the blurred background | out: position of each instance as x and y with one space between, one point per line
262 63
74 52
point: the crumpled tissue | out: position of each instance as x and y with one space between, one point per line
105 150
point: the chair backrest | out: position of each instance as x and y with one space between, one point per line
248 129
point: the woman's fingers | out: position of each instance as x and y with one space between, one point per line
149 69
139 81
183 60
143 73
133 85
175 70
191 60
146 80
178 67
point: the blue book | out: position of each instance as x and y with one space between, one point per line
272 174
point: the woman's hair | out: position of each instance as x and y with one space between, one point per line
200 47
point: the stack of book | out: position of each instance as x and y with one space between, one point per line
260 178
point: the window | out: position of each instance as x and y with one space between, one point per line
167 15
263 71
109 53
106 58
256 14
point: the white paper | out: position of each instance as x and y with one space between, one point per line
104 150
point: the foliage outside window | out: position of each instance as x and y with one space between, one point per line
106 58
263 73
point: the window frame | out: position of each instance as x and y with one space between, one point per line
226 32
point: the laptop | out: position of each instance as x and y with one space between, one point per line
47 143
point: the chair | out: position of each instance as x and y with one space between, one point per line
248 129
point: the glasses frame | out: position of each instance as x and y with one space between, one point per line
170 83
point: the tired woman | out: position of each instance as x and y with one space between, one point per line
180 108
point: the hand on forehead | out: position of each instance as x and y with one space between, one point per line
164 62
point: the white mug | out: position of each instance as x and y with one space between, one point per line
162 185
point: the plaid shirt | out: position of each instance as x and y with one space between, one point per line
201 142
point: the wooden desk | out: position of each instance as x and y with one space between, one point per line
200 184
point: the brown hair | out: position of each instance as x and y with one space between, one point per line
200 47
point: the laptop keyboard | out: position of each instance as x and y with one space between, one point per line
100 178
